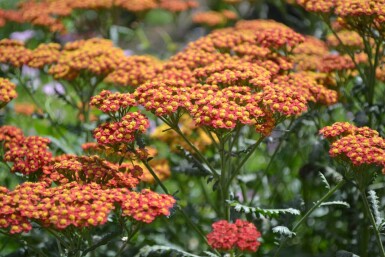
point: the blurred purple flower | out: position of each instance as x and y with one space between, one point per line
53 88
23 35
29 72
128 52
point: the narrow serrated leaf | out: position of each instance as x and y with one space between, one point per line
324 180
210 254
375 204
163 251
336 203
284 231
264 212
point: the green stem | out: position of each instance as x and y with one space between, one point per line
145 162
373 222
194 227
244 160
311 210
198 153
318 203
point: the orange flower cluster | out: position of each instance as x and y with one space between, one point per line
358 146
177 5
50 13
74 204
162 97
334 62
160 166
91 169
146 205
11 216
235 76
213 18
29 154
123 131
134 70
44 54
13 52
352 14
10 135
227 236
94 56
7 91
109 102
233 72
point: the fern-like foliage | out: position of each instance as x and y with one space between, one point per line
375 204
164 251
283 231
262 212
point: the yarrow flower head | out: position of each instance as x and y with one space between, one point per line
241 235
359 146
44 54
7 91
10 135
162 97
92 169
123 131
29 154
96 56
111 103
76 205
13 52
134 71
214 18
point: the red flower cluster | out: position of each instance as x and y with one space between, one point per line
242 235
358 146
